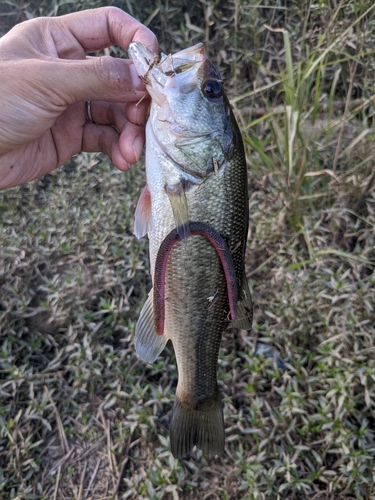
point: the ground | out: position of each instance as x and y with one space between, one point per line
81 416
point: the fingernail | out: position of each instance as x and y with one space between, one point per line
138 147
136 81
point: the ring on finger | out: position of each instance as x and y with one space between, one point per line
88 115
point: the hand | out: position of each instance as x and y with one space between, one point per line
46 78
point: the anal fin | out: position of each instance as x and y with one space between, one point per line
147 343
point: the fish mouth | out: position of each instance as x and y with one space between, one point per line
182 61
168 65
172 71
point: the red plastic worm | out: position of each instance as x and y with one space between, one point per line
217 241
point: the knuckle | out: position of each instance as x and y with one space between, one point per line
35 27
112 10
109 71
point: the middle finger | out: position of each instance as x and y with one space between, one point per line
116 114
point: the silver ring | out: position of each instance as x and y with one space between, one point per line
88 115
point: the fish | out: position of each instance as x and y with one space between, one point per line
195 210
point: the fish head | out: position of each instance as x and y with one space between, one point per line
190 116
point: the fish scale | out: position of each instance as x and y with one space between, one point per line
197 264
196 171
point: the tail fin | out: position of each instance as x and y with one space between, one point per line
203 428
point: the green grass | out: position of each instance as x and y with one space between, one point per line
80 415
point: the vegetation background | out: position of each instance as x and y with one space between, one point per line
80 415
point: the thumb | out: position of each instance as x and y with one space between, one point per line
96 78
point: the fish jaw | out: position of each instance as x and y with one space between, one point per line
161 74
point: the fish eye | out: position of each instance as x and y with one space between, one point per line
212 88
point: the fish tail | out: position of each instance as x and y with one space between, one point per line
191 427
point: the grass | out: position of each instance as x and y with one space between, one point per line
81 416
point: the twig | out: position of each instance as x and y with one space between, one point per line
57 483
62 461
93 476
82 481
111 456
323 106
89 450
353 69
121 472
258 90
239 115
60 426
119 477
141 99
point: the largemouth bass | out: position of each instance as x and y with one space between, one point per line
195 211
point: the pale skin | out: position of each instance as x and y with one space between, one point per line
46 78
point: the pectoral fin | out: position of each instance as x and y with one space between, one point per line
147 343
244 319
142 216
177 198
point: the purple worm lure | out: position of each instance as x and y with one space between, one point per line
217 241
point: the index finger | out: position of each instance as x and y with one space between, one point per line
96 29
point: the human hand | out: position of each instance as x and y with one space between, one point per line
46 78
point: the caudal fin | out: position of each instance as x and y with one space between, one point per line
202 428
